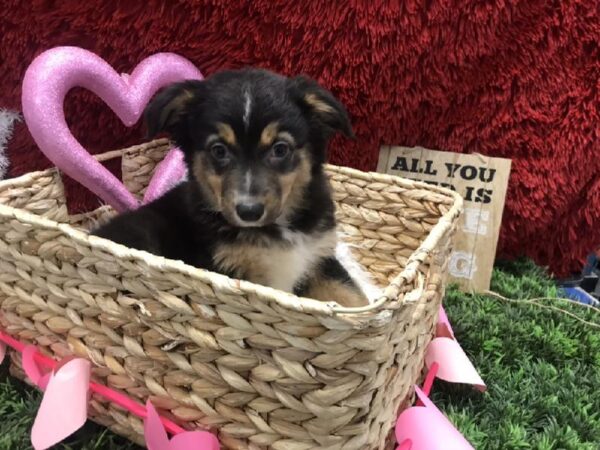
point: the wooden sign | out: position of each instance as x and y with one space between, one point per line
482 181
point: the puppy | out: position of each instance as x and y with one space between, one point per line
257 205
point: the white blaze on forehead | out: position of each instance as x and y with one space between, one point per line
247 107
247 181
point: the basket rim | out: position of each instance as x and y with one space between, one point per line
240 287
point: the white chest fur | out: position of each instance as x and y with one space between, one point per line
280 265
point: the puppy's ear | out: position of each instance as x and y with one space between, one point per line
165 112
320 105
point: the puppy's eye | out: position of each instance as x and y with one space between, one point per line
219 152
279 151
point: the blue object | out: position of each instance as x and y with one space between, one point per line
585 288
579 295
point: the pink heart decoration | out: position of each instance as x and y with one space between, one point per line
406 445
443 326
31 368
446 356
64 406
426 428
157 439
454 364
194 440
48 80
169 172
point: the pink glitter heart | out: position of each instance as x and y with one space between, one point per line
48 80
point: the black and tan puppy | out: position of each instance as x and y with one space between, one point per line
257 205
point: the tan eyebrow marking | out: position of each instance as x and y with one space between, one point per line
268 134
226 133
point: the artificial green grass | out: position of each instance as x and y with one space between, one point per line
542 369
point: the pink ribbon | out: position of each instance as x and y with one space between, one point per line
33 361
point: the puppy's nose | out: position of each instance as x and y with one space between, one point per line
250 212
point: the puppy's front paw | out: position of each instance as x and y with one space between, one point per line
344 293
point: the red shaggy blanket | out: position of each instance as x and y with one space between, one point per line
511 78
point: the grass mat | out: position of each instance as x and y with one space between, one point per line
542 368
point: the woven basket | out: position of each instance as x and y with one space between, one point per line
261 367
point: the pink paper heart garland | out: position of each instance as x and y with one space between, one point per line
157 439
445 359
56 71
453 363
32 360
426 428
443 327
64 405
31 368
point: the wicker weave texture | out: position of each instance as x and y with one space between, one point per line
261 367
